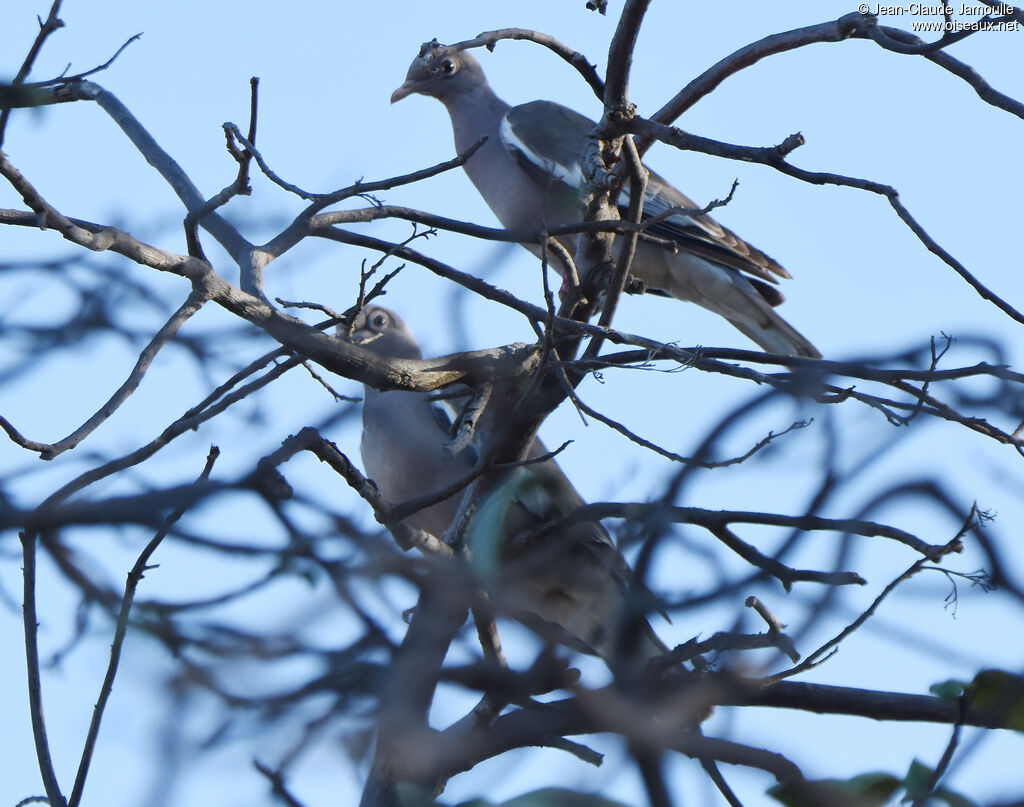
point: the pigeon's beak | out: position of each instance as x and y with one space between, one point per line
363 336
408 88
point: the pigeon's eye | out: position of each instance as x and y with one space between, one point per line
379 321
449 66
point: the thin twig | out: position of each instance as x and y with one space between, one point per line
776 629
232 130
488 39
853 25
46 28
48 451
819 655
947 756
121 630
711 768
775 159
239 187
277 783
107 63
35 689
188 422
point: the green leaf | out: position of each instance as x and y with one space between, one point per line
14 95
549 797
917 779
948 690
953 799
408 795
486 530
486 534
559 797
1000 693
864 790
879 787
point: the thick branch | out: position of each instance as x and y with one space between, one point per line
894 706
620 54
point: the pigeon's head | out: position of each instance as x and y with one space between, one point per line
384 333
441 72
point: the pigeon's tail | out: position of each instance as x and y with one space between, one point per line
775 335
743 300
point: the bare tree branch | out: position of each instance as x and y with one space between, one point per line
35 693
51 25
48 451
121 629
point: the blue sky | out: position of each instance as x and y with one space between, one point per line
863 285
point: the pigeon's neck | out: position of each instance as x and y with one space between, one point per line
474 114
508 191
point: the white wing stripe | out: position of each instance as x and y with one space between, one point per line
571 175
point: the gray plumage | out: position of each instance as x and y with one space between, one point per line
528 171
404 442
573 587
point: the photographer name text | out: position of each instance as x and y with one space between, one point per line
924 9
